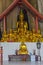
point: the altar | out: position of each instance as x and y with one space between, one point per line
23 57
19 57
10 48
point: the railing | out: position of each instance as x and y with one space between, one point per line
1 56
37 15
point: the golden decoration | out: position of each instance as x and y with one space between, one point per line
22 34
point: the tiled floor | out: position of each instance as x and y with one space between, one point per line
22 63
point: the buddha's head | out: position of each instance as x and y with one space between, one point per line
21 15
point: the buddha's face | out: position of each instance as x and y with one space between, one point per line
21 16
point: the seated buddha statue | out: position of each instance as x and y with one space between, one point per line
23 49
10 36
22 27
25 17
4 37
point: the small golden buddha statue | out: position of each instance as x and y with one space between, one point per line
41 39
23 49
4 37
10 36
15 33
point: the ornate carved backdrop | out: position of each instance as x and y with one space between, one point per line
11 18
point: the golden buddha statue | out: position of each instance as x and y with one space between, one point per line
4 37
22 28
10 36
23 49
15 36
